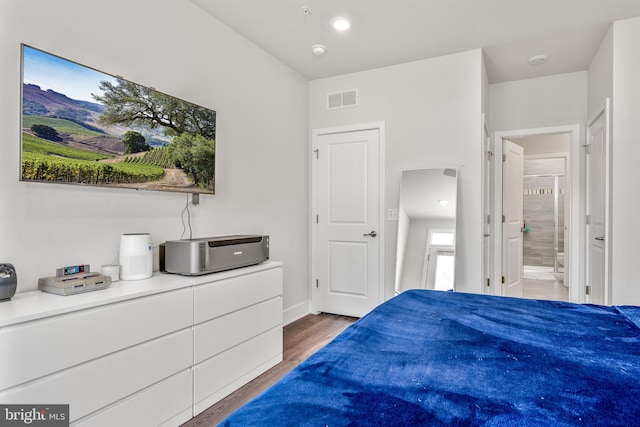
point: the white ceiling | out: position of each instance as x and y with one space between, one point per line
388 32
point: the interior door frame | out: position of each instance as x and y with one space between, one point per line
575 257
488 251
313 203
605 111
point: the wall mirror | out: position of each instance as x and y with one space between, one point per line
425 257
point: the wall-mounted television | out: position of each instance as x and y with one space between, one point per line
85 127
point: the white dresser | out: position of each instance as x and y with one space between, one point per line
148 352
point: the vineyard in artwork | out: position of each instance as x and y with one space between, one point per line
46 161
157 157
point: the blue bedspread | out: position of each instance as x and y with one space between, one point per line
444 358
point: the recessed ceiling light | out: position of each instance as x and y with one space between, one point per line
443 202
340 23
538 59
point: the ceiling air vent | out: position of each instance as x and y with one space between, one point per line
347 98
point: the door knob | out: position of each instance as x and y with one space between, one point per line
599 238
372 234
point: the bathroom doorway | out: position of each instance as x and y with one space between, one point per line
545 215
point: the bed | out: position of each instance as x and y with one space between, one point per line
446 358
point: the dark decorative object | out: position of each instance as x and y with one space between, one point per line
8 282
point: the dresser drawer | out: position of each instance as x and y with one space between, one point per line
218 376
34 349
215 299
168 401
217 335
96 384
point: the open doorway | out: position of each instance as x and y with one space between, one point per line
550 250
545 215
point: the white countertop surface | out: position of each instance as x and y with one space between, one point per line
27 306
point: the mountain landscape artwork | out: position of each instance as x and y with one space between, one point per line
82 126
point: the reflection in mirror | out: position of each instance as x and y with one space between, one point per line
425 258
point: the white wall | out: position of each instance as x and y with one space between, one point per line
536 103
601 76
432 110
262 139
625 156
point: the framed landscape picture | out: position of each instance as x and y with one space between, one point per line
82 126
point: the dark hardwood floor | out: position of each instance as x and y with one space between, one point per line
301 339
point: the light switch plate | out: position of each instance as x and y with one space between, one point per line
392 214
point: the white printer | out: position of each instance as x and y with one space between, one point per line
192 257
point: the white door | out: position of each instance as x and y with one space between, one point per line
596 158
348 222
512 209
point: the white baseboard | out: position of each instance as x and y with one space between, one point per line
294 313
